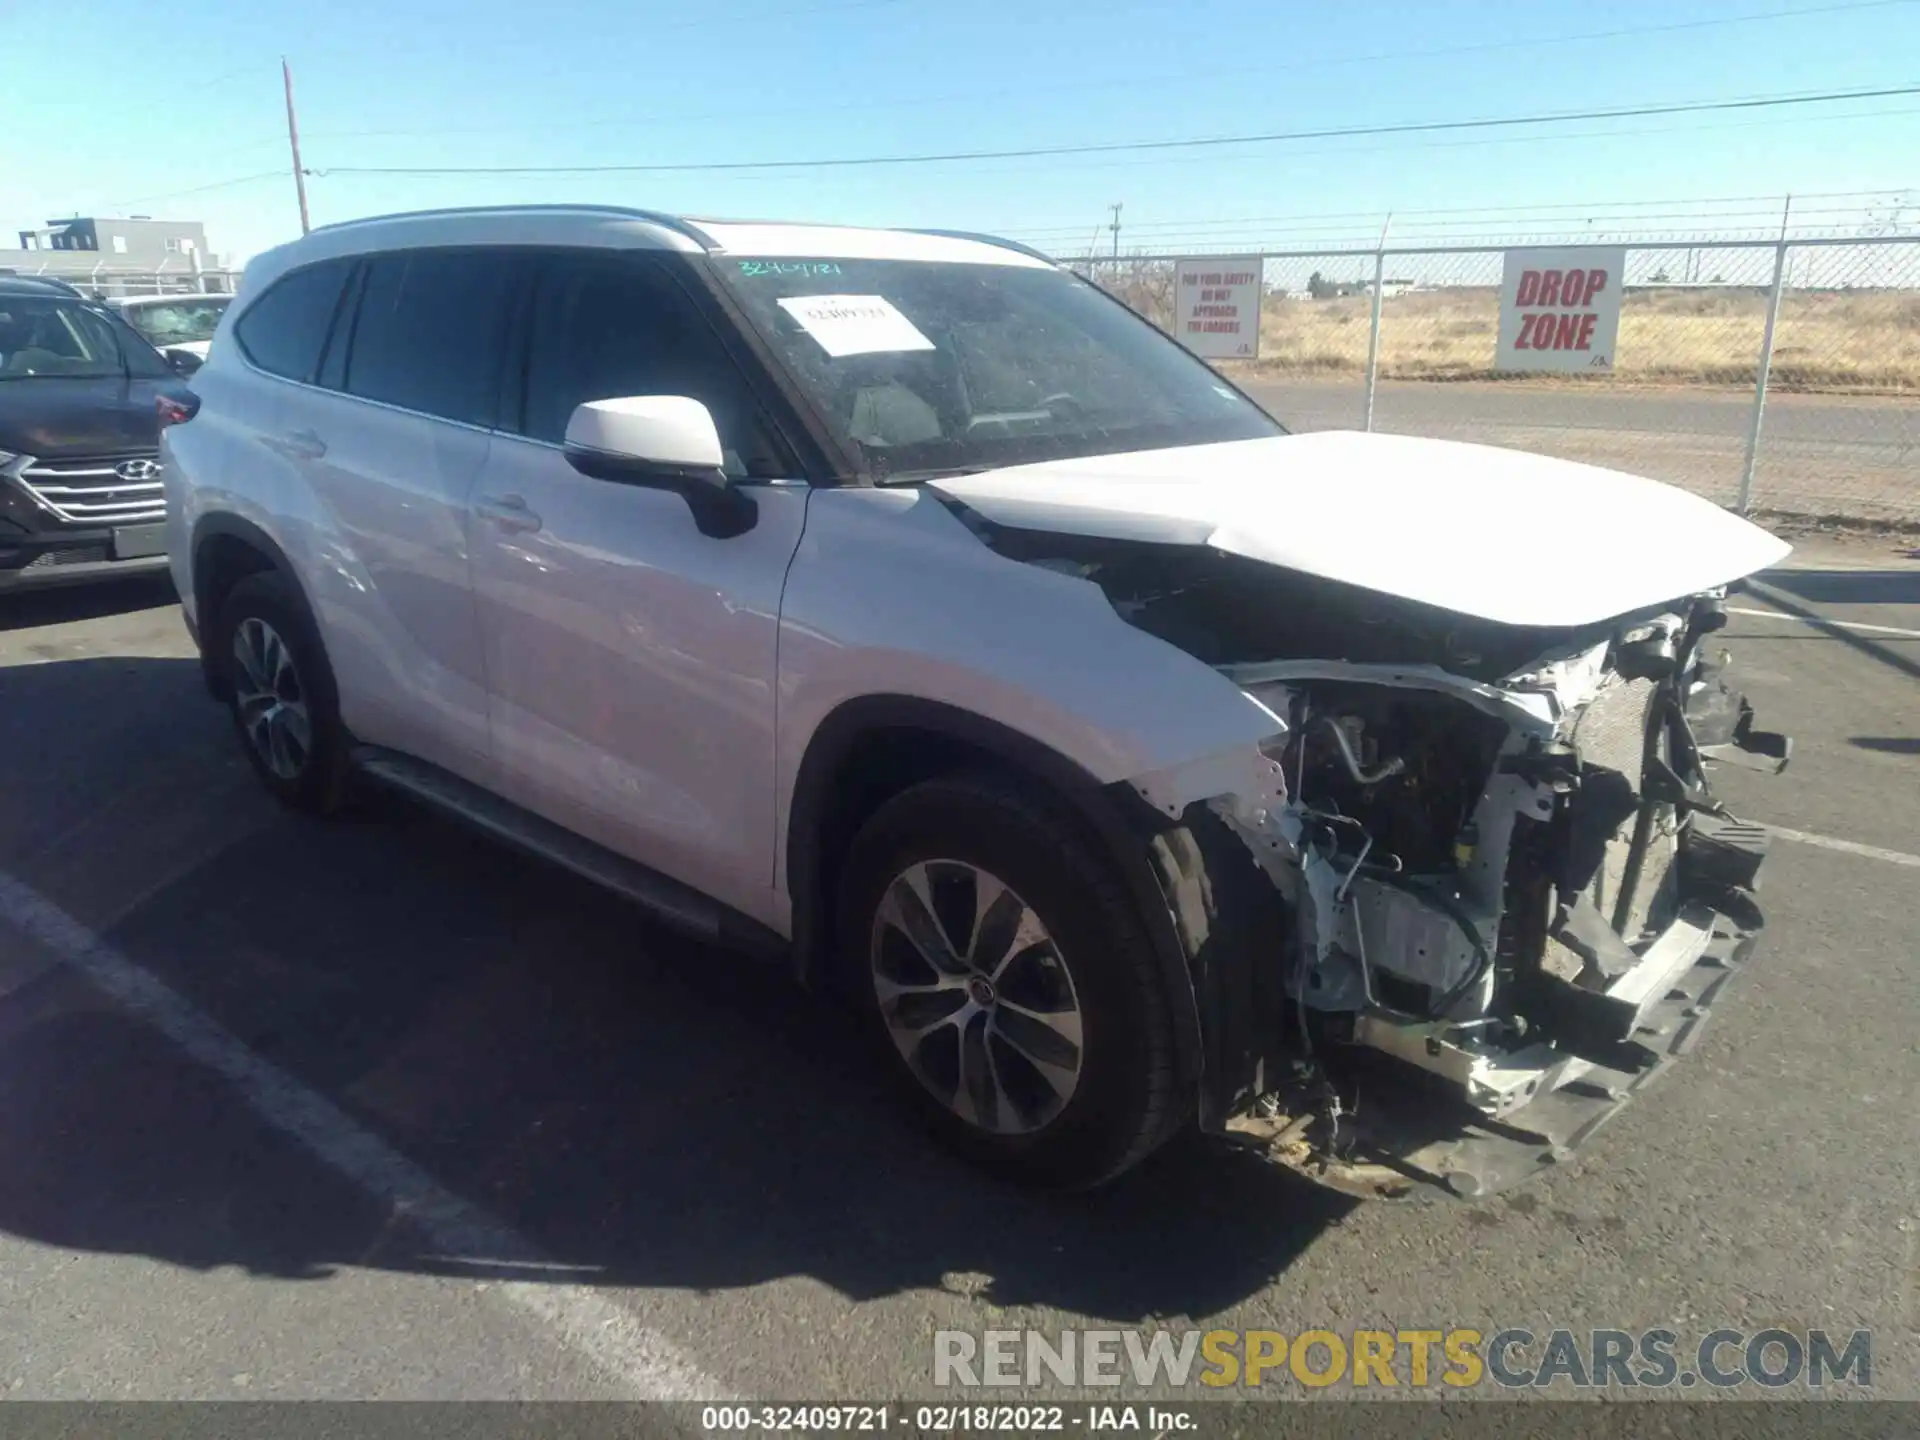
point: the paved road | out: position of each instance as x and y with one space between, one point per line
1823 453
567 1155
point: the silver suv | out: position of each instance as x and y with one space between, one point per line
899 606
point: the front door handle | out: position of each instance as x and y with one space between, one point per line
509 512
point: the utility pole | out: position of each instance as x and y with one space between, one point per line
1115 227
293 142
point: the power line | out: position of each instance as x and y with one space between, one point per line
1366 216
1111 82
1128 146
1596 209
1661 131
195 190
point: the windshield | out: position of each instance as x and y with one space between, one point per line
178 321
928 368
47 338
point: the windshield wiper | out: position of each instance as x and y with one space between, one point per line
936 472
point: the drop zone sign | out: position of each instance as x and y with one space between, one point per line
1216 307
1560 309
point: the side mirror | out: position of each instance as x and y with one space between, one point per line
664 442
183 362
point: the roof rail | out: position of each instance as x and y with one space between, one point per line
51 282
980 238
656 217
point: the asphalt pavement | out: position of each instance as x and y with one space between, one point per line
1821 454
372 1108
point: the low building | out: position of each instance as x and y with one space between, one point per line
136 254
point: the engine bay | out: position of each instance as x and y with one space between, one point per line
1483 854
1490 849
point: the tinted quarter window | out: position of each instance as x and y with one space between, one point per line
429 332
609 326
283 330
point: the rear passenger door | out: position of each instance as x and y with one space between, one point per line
393 442
630 657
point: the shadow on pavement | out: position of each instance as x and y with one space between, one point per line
66 604
1769 590
647 1111
1889 744
1850 587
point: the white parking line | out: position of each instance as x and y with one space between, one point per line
1824 620
1846 847
639 1359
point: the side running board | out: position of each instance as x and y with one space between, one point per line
679 906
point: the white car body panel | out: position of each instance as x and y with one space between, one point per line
890 594
1507 536
631 664
228 463
369 504
580 229
603 656
396 601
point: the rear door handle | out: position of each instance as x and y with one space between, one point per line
509 512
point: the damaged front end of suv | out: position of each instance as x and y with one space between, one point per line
1474 890
1500 904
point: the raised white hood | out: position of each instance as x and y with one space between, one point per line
1500 534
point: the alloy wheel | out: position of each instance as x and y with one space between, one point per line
270 699
975 996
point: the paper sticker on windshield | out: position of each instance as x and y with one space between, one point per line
855 324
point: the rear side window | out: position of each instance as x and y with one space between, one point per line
429 332
284 330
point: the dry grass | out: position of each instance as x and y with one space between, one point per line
1860 340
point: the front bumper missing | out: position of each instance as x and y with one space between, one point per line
1403 1102
1405 1131
1498 1082
1489 1155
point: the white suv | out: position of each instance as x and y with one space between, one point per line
899 605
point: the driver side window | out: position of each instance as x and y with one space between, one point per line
606 326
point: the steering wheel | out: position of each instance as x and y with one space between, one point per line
1063 400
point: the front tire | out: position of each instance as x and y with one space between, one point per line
281 694
1008 984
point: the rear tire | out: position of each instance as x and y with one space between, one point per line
1025 1015
280 692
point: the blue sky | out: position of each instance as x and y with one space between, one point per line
590 82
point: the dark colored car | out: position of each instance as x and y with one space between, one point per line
82 400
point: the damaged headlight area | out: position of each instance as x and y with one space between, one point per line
1386 785
1487 909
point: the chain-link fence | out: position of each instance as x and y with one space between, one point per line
1836 431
